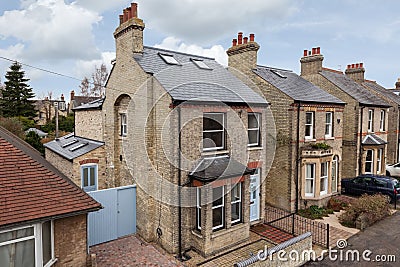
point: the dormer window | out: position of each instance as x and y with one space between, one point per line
200 63
169 59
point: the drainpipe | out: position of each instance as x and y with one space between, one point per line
179 188
360 150
297 157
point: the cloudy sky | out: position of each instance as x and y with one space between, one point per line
70 37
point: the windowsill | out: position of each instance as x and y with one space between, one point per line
250 148
318 197
51 263
329 138
309 140
214 152
197 233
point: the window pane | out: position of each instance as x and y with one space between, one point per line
11 235
253 136
236 211
21 254
309 186
309 118
252 121
369 155
85 177
213 139
310 171
92 181
308 130
218 215
46 242
323 184
328 117
213 121
235 193
217 196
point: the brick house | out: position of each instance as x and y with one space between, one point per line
43 214
46 109
356 72
364 142
308 131
190 135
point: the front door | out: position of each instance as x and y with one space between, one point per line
255 196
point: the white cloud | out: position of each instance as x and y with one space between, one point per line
100 6
206 21
86 68
216 51
51 29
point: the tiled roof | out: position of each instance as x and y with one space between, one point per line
71 146
294 86
31 189
187 81
354 89
95 104
382 91
209 169
373 139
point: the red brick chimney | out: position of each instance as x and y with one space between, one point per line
62 97
129 34
72 95
243 53
397 84
356 72
311 62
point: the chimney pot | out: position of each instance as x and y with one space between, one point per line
318 50
357 65
72 95
251 37
352 66
240 38
62 97
126 15
245 40
305 52
349 66
129 13
234 42
314 50
134 10
361 65
121 19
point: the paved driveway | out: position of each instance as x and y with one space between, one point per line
382 239
131 251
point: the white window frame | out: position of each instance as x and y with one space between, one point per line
124 124
61 106
379 161
328 125
324 178
370 120
256 129
237 201
310 194
37 236
222 207
382 121
215 131
369 162
198 208
89 166
311 125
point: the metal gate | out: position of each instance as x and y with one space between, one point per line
116 219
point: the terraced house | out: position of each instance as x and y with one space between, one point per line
365 117
307 166
191 135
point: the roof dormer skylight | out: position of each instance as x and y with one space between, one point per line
278 74
169 59
200 63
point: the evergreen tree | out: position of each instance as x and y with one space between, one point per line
16 94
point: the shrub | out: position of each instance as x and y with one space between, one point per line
365 211
336 204
323 146
315 212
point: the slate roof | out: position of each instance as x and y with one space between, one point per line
382 91
71 146
294 86
186 81
96 104
373 139
209 169
32 190
79 100
354 89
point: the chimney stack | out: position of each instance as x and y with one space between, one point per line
356 72
243 53
62 97
131 27
311 62
72 95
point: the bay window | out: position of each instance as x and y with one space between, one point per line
324 178
310 180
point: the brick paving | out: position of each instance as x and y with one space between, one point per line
131 251
271 233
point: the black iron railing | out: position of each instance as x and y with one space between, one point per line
297 225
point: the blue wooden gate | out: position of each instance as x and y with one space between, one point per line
116 219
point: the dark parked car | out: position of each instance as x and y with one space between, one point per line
372 184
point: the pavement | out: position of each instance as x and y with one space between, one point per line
378 243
